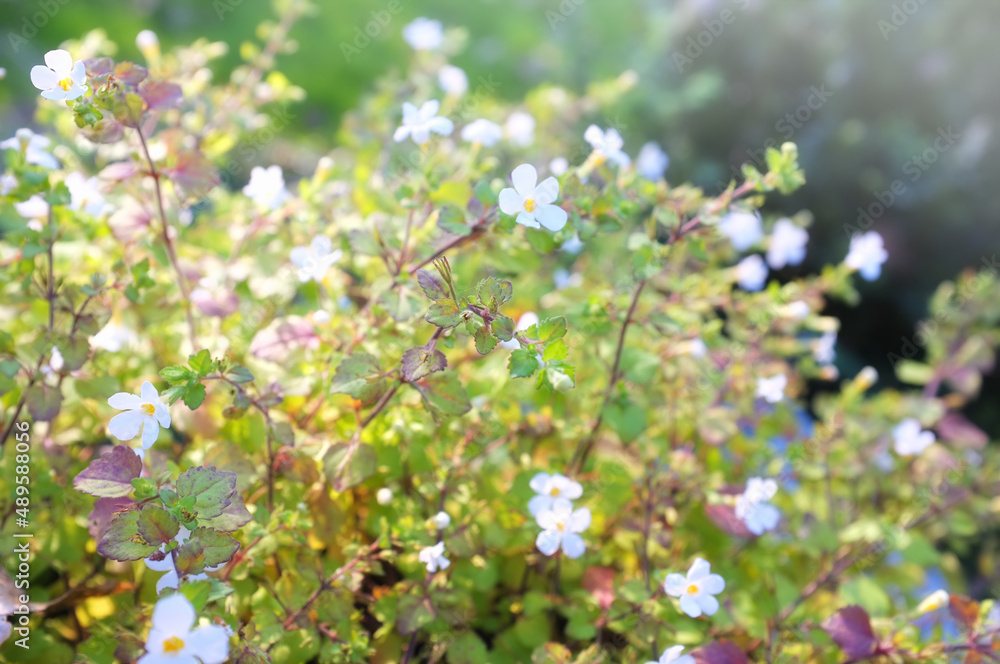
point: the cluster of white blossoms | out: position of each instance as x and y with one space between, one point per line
908 439
552 507
866 255
754 508
35 148
173 638
607 145
143 411
786 246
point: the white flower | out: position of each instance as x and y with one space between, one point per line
33 208
142 411
563 278
866 255
321 317
60 78
772 390
788 244
34 146
113 337
751 273
558 166
171 579
424 34
695 347
574 245
798 309
55 363
520 128
484 132
652 162
908 439
172 641
560 529
384 496
314 261
934 601
696 589
441 520
85 194
433 557
553 491
533 204
607 145
527 319
742 228
147 39
266 187
418 124
672 655
453 80
823 348
7 184
753 507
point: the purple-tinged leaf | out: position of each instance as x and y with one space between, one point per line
43 401
111 475
851 629
189 558
122 541
193 174
161 95
433 285
421 361
233 517
444 395
720 652
104 512
348 465
724 516
130 73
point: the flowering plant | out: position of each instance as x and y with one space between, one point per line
482 395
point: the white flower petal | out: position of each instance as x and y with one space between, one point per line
538 482
573 545
149 393
173 616
162 415
125 401
442 126
700 568
524 178
547 191
579 521
526 219
60 61
125 426
709 605
539 504
675 584
548 541
690 606
150 432
713 584
210 643
44 78
552 217
510 201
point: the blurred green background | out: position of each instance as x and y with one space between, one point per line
864 87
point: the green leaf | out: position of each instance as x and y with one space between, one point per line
421 361
626 418
914 373
555 350
238 373
233 517
444 395
43 401
413 611
9 368
189 558
197 593
451 220
494 292
156 525
202 362
217 547
503 327
177 375
444 313
485 342
360 376
194 396
558 376
211 489
547 330
347 465
522 363
122 541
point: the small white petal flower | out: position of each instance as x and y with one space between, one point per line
788 244
60 78
266 187
696 347
424 34
561 528
934 601
143 411
558 166
696 590
484 132
55 363
553 491
7 184
147 39
527 319
383 496
520 128
441 520
172 640
171 578
34 146
824 348
652 162
574 245
533 203
866 255
743 229
433 557
799 309
563 278
754 508
315 260
908 439
113 337
672 655
453 80
33 208
772 390
85 195
419 123
751 273
607 145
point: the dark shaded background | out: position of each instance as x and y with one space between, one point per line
884 78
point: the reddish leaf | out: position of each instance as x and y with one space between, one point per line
111 475
720 652
105 510
851 629
958 430
964 610
130 73
161 95
724 516
599 582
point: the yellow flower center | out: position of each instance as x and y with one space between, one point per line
554 491
149 408
692 589
529 205
561 527
66 83
173 644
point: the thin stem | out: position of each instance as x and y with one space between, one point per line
51 294
167 241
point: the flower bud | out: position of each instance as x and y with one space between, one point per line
933 602
441 520
148 44
384 496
